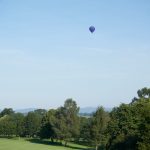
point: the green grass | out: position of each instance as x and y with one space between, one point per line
35 144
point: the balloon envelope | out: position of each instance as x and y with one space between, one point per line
92 29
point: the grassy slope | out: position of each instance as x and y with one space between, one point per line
21 144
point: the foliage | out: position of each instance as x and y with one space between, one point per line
6 111
32 124
129 127
7 126
126 127
98 127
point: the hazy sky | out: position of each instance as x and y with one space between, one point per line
48 55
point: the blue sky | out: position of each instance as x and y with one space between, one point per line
48 55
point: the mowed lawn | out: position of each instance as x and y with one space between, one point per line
23 144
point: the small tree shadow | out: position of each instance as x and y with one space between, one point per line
79 148
47 142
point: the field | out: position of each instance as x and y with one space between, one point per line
33 144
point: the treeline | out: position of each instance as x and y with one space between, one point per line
126 127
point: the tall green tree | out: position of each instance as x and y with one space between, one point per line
123 128
65 121
98 127
143 107
71 111
85 126
7 126
48 124
60 125
129 127
18 119
32 124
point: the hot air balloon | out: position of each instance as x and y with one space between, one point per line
92 29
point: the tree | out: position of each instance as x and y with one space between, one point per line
18 119
85 126
60 125
47 129
7 111
32 124
98 127
70 112
7 126
129 127
143 107
123 128
64 122
143 93
40 112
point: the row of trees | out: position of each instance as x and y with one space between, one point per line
18 124
60 124
126 127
